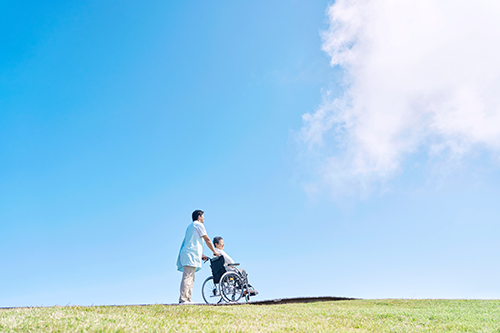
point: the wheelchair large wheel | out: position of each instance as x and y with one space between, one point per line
210 291
231 287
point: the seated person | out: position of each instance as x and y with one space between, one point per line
219 247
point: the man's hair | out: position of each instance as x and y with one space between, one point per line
217 240
197 214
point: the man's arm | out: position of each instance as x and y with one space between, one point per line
210 246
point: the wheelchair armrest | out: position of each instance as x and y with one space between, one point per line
235 264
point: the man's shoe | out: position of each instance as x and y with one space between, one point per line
186 303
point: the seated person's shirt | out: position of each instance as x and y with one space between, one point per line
227 259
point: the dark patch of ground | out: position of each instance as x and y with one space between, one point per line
301 300
265 302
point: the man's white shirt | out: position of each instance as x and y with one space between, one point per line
199 228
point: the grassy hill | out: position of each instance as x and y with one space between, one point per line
340 316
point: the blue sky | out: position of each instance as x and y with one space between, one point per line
118 119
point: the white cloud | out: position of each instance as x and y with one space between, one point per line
420 75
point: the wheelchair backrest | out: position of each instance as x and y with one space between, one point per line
218 269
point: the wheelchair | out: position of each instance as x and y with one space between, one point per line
226 285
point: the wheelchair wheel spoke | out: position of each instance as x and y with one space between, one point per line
210 291
231 287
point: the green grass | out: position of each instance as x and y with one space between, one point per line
340 316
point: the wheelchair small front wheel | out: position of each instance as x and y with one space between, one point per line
231 287
210 291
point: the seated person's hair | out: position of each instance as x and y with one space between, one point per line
217 240
196 214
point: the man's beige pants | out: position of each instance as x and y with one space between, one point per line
187 283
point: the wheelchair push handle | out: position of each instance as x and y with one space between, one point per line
205 259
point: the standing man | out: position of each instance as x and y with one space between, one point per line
191 254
